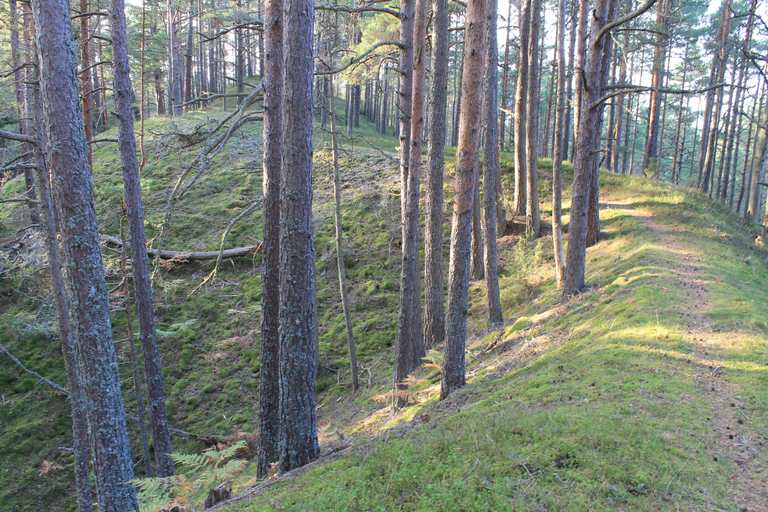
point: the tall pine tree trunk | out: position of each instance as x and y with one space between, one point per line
67 157
298 371
491 166
269 375
410 344
453 375
158 417
521 111
434 287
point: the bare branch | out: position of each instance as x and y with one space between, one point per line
34 373
628 89
344 8
18 137
629 17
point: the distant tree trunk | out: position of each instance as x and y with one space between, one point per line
158 417
403 101
202 54
68 347
569 79
521 111
614 163
678 149
595 73
239 54
159 93
188 54
545 153
709 133
434 286
269 375
457 96
746 181
340 249
298 371
453 375
491 166
505 80
758 167
736 109
67 156
651 153
138 385
557 150
532 212
174 62
410 344
85 62
476 260
22 110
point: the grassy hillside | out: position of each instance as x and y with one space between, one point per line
647 392
618 398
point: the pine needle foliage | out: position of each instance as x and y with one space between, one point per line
195 472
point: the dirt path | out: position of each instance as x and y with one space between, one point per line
733 437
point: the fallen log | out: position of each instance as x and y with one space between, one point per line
189 256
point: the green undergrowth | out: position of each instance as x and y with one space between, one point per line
606 402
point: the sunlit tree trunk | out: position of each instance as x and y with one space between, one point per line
453 375
410 344
521 111
491 166
434 287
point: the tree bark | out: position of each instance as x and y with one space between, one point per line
758 167
557 150
174 62
532 212
491 166
651 153
22 112
453 375
153 370
521 112
339 247
591 85
269 375
434 286
68 347
410 344
67 157
298 371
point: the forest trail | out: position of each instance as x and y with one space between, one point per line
734 436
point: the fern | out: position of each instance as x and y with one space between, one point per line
196 472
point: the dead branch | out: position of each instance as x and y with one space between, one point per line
628 89
629 17
344 8
34 373
221 256
18 137
197 256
